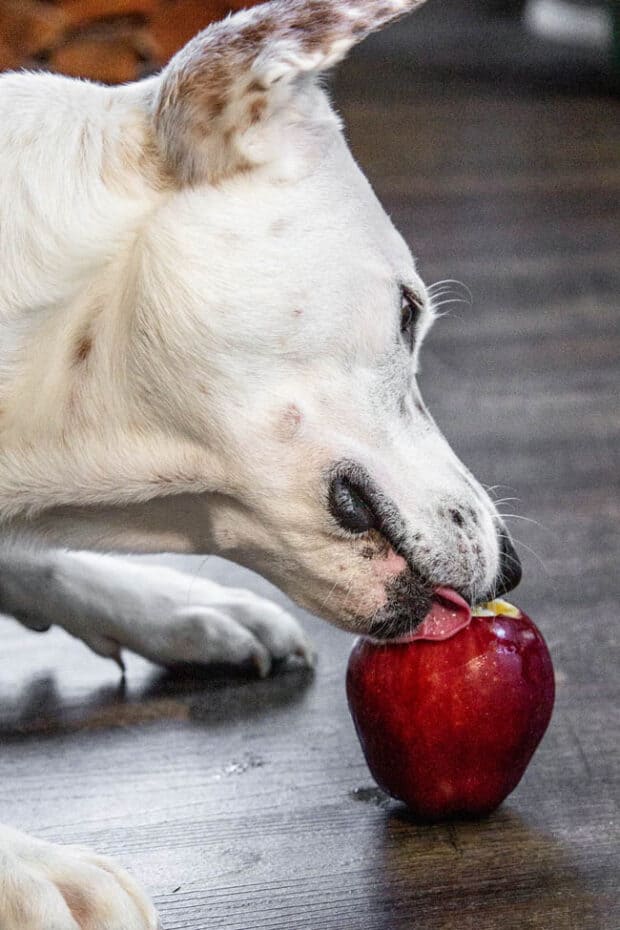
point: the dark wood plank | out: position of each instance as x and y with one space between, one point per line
247 805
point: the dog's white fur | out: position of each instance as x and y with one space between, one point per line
199 310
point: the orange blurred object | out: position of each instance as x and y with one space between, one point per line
106 40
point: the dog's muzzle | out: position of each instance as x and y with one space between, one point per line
358 506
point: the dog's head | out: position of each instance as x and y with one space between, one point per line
279 322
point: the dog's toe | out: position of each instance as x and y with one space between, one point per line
278 630
49 887
242 630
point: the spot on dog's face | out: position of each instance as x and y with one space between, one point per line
295 350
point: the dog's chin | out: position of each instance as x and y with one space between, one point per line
408 601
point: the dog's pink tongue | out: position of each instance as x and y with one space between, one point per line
449 614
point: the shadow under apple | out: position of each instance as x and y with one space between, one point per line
499 871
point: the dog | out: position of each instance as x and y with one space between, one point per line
210 336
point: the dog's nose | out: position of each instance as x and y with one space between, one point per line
351 504
509 573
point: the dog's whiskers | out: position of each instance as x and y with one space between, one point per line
435 305
517 516
507 500
328 596
447 300
450 283
491 488
529 549
448 286
445 288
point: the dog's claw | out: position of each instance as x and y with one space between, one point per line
307 654
118 658
261 661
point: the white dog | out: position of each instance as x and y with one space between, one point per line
210 332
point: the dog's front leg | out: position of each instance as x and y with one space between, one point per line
166 616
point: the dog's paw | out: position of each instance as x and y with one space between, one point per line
167 616
277 632
231 627
49 887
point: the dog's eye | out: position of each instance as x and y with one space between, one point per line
410 309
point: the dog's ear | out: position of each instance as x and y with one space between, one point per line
235 75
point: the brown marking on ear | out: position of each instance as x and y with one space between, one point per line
228 136
216 104
237 163
257 109
256 87
360 27
318 22
208 90
208 87
254 34
203 125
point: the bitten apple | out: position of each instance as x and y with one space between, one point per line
449 718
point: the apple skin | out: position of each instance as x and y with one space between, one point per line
449 727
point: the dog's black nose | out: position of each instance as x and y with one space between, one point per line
509 573
351 503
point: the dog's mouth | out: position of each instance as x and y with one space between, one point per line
448 614
417 610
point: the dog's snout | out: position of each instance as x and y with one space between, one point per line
351 505
509 573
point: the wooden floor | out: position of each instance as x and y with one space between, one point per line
246 805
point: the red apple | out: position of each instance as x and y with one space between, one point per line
450 718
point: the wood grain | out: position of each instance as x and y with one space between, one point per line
247 805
